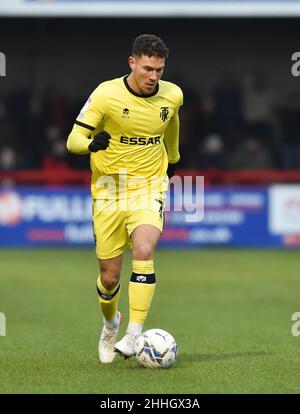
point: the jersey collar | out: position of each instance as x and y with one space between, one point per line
140 95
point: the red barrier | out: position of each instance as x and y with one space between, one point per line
245 177
76 177
47 177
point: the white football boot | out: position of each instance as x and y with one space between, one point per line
125 347
107 343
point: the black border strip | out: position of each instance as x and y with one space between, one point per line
107 297
85 125
140 95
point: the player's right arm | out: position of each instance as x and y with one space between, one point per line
78 143
81 139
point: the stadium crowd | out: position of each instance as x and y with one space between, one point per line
239 126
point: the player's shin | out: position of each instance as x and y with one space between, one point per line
141 290
108 300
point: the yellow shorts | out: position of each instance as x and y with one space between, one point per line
114 221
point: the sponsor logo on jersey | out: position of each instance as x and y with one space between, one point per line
164 113
125 113
140 140
85 108
141 278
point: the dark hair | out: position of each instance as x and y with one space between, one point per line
149 45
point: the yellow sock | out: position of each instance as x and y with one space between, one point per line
108 300
141 290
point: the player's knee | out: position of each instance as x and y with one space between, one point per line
144 251
110 278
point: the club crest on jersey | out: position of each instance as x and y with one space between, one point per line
125 113
164 113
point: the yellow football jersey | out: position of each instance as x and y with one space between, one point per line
144 133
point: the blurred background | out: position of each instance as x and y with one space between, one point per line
239 122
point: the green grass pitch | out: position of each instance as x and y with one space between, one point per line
229 310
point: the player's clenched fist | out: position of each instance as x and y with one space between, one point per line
100 141
171 169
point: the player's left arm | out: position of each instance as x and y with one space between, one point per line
171 139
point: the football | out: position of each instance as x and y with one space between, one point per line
156 348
